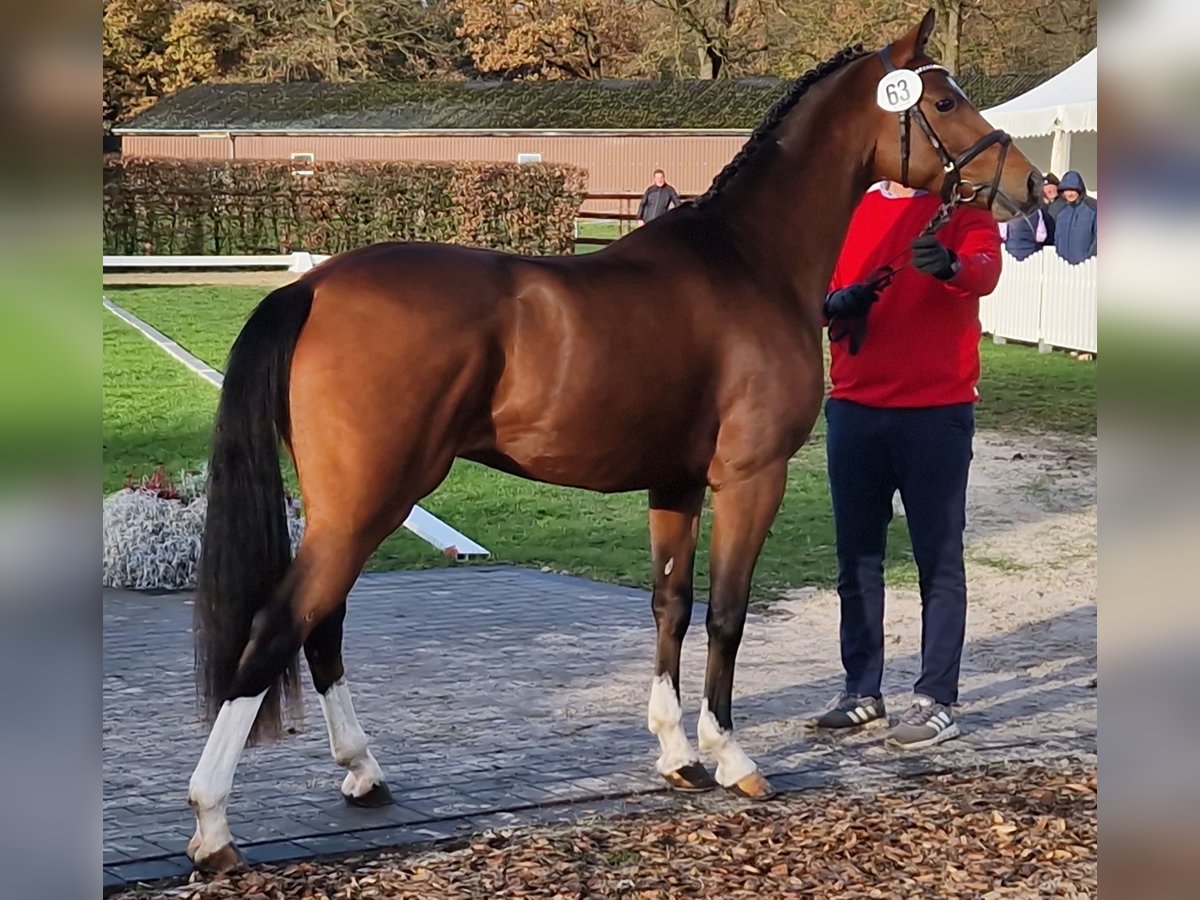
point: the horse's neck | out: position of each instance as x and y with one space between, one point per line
791 206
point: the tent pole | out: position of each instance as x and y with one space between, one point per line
1060 151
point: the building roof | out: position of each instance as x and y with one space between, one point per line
724 104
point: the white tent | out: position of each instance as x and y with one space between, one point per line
1051 113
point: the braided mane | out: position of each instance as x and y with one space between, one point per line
775 115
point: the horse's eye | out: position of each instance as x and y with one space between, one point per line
945 104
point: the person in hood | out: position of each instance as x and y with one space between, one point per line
1075 224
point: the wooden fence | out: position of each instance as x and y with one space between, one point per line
622 210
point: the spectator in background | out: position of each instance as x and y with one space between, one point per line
1075 224
1051 204
659 198
1051 201
1026 235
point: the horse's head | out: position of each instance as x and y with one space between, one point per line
930 136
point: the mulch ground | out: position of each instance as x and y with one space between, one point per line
1014 832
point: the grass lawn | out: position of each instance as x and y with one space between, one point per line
156 412
597 228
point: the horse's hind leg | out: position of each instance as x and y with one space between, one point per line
316 587
674 527
364 784
211 847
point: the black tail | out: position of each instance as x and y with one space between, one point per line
246 551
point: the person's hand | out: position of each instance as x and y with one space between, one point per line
931 256
850 302
640 223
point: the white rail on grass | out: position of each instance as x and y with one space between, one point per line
298 261
420 522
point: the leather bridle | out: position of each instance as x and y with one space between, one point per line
952 185
952 194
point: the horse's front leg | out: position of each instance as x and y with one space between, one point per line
674 527
744 505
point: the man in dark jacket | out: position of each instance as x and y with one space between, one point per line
1075 224
659 197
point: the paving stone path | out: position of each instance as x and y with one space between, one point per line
496 695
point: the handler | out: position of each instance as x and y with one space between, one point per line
901 416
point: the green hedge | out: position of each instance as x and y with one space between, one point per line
174 207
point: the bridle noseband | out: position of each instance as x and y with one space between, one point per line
952 194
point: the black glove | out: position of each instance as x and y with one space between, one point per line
932 257
850 302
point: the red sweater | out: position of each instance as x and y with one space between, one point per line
922 342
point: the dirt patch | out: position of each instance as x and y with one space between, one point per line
1031 554
1031 582
1030 660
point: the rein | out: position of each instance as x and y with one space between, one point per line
856 329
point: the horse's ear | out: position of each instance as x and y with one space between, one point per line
913 44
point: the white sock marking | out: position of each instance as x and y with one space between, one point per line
732 762
348 742
665 719
212 780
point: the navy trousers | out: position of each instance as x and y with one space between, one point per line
925 454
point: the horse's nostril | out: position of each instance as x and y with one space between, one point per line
1035 184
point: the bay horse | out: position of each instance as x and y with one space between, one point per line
686 356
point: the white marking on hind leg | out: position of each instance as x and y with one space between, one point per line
348 742
665 719
212 780
732 762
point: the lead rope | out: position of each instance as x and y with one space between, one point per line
882 277
856 329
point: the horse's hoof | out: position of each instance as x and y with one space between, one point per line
753 787
227 859
690 779
375 798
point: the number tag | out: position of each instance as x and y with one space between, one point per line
899 90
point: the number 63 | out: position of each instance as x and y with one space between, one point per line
897 93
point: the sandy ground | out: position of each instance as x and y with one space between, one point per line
1031 571
1030 662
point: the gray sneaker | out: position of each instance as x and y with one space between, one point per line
850 711
923 724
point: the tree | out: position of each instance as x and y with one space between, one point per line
587 39
133 40
1027 35
950 13
350 40
729 36
991 36
205 42
154 47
